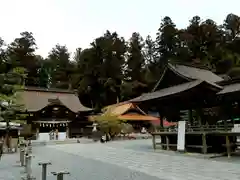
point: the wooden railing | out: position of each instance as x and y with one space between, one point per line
199 128
210 128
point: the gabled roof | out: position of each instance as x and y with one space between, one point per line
192 73
175 90
35 99
123 112
122 108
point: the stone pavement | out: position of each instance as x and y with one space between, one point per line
66 141
9 169
120 160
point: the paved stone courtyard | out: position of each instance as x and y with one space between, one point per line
120 160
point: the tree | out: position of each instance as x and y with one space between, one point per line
203 39
135 58
10 109
60 67
113 70
166 41
20 53
101 70
44 73
3 65
86 78
109 124
232 26
231 30
134 83
111 50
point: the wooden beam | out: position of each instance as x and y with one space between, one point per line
204 144
228 146
167 142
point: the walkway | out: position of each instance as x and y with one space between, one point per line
122 160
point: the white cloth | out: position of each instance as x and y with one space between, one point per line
143 130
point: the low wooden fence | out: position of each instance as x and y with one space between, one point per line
198 128
207 139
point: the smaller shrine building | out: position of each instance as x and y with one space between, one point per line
54 113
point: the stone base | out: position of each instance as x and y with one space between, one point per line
28 178
181 151
9 151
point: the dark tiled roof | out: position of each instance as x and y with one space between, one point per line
36 99
230 88
193 73
174 90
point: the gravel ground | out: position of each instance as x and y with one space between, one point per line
120 160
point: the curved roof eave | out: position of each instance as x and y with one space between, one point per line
174 90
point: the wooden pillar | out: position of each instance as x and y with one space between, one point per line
161 120
228 146
190 117
37 133
162 117
225 114
67 132
199 118
167 142
56 134
204 143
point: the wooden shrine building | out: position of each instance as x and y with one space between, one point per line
54 111
182 87
195 90
132 114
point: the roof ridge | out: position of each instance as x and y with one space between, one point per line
56 90
173 68
180 88
193 65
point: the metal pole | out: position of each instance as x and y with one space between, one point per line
60 174
44 169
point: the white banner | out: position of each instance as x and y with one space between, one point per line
181 136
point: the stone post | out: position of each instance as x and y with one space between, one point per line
29 168
44 169
29 147
60 174
22 153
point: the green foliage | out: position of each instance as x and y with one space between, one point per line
109 124
113 69
127 128
60 67
11 83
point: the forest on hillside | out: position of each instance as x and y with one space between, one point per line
115 69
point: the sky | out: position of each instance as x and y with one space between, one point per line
76 23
